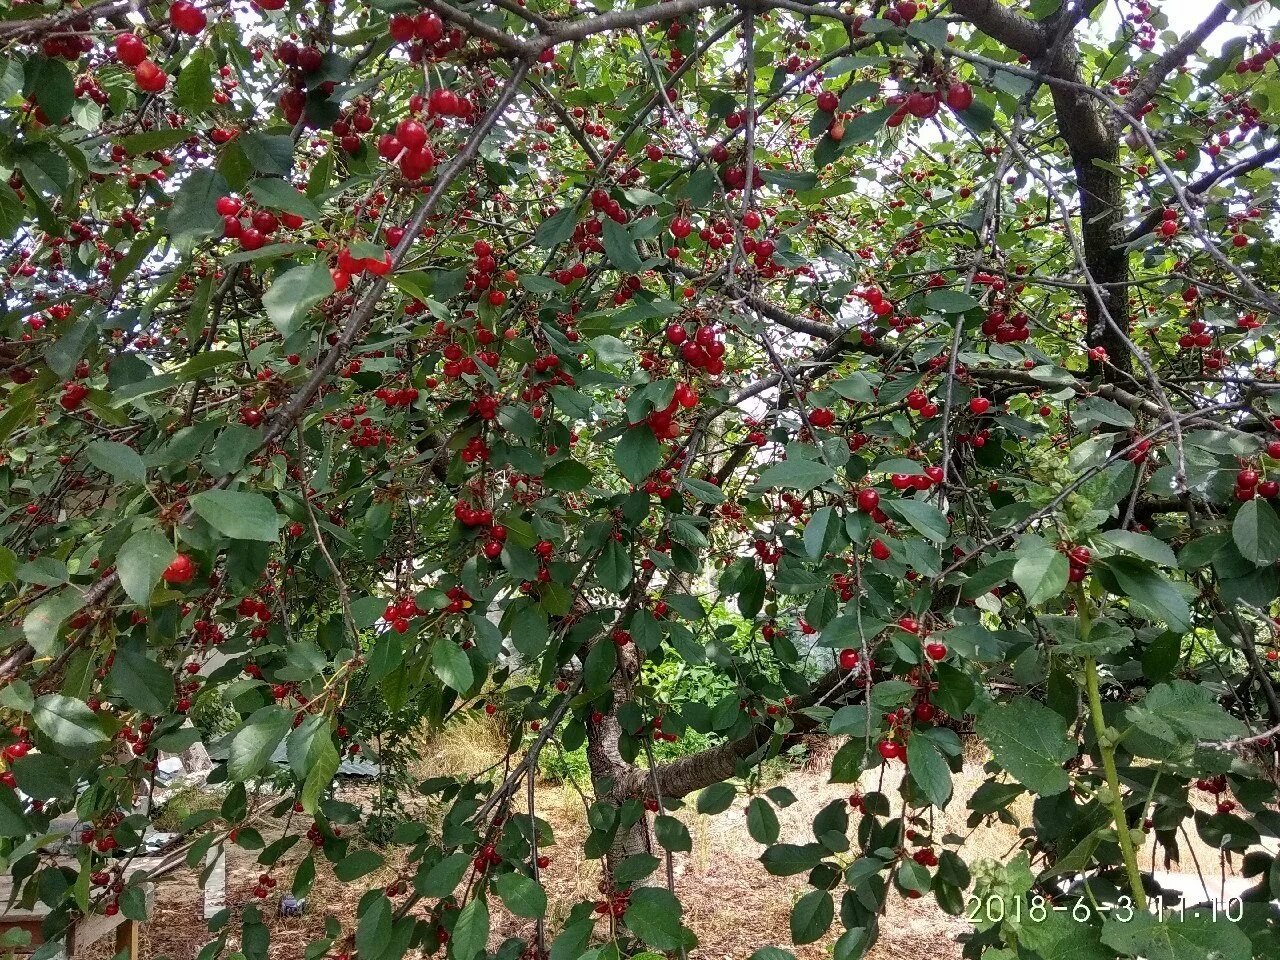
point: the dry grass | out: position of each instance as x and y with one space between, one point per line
730 902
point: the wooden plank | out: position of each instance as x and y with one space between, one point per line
127 939
89 930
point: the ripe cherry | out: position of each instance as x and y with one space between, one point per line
849 659
131 49
936 650
187 18
181 570
149 77
821 417
979 405
868 499
959 96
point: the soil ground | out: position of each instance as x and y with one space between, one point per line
730 902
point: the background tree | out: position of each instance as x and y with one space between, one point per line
474 357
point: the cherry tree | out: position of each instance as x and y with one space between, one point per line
909 365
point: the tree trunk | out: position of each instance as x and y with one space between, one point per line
613 779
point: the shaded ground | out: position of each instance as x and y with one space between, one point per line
730 902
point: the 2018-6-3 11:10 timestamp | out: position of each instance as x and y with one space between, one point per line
994 909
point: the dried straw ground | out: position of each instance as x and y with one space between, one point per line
730 902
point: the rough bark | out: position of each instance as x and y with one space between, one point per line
613 779
1091 138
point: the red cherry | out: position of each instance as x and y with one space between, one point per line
181 570
922 105
821 417
849 659
879 550
935 650
979 405
187 18
150 77
131 49
959 96
411 134
868 500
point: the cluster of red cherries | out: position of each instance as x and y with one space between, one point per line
704 351
259 227
1249 482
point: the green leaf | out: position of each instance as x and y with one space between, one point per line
471 932
150 140
815 531
716 798
1184 711
194 88
193 215
1193 935
65 352
636 867
282 195
254 743
122 462
522 895
68 722
44 169
1029 741
443 877
1150 591
566 475
653 915
144 684
1100 410
293 294
374 928
41 625
795 474
12 211
1143 545
557 228
451 664
357 864
811 916
1042 574
762 822
141 561
620 247
929 769
788 859
238 514
51 83
638 453
923 517
599 667
672 834
270 154
950 301
1256 531
613 569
